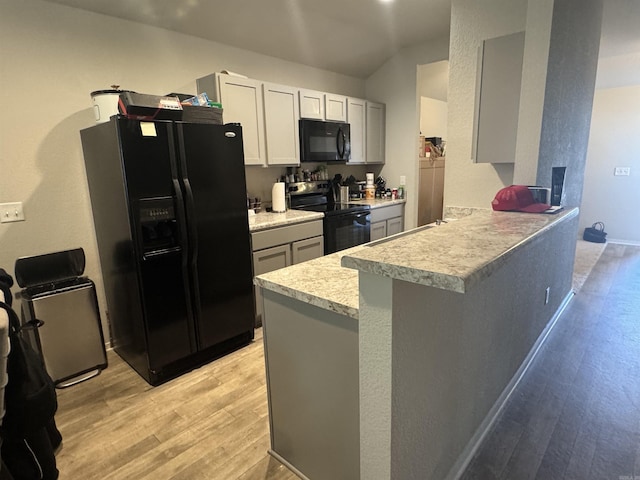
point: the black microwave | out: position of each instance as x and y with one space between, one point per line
324 141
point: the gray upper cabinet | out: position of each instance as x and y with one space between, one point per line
281 114
498 89
312 104
375 117
242 102
356 116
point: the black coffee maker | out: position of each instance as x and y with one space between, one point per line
381 186
333 195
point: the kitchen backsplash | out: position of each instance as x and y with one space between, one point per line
260 180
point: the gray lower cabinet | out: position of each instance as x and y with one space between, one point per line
378 230
271 259
308 249
387 221
280 247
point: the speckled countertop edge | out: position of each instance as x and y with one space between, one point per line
267 220
457 255
378 202
322 282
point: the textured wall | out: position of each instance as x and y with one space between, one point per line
571 75
467 183
534 74
561 50
453 354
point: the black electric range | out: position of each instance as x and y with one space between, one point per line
345 225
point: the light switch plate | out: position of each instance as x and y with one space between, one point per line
11 212
624 171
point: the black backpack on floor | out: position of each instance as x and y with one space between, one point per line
28 431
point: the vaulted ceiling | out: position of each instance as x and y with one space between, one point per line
352 37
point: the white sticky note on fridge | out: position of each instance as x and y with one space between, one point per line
148 129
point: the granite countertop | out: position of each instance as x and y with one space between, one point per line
266 220
378 202
322 282
452 256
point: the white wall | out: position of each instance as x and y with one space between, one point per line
433 118
51 58
395 84
433 83
614 200
433 80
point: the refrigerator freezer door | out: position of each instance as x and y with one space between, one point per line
155 209
212 171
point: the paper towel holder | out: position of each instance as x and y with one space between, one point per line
278 204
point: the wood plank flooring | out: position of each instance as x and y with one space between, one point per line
211 423
575 415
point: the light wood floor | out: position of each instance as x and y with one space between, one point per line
211 423
575 415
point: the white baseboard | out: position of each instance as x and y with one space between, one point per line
624 242
287 464
478 437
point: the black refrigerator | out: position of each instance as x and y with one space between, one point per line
170 214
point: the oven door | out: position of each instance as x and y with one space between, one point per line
346 230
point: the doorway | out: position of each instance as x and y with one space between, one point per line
432 83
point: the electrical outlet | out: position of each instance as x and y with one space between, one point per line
547 292
11 212
622 171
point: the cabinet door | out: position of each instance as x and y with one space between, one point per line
375 132
498 87
271 259
438 190
311 104
378 230
265 261
242 102
307 249
281 110
426 210
431 193
356 113
394 225
335 107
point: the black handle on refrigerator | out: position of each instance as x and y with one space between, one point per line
193 231
181 222
341 136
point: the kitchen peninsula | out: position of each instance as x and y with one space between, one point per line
389 360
